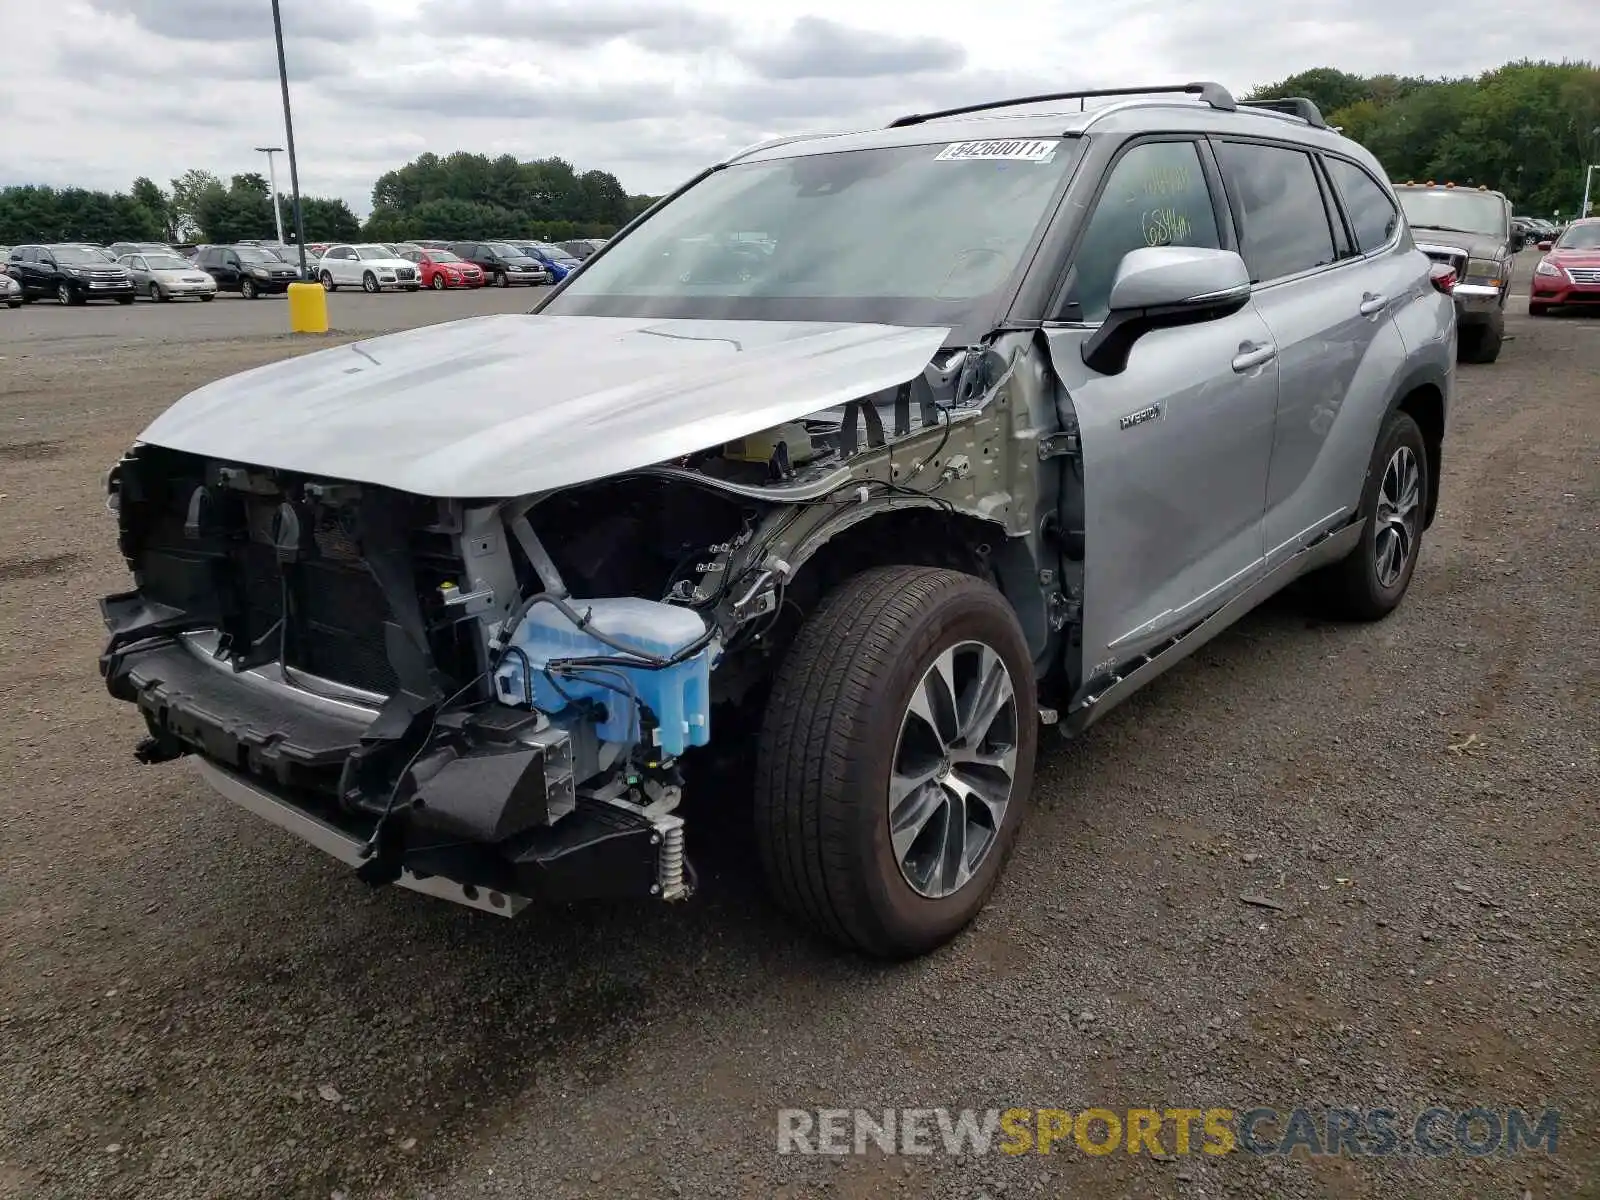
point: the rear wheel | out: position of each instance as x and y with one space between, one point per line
1481 343
895 759
1372 580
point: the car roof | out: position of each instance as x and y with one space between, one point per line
1168 114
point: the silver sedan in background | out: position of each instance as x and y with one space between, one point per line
161 276
10 291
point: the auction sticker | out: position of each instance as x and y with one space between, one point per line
1038 150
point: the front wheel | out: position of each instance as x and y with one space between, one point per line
328 284
126 299
1371 581
438 283
1481 343
66 295
248 289
895 759
501 279
369 282
1538 310
156 293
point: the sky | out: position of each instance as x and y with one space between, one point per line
97 92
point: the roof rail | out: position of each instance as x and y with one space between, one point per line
1293 106
1213 94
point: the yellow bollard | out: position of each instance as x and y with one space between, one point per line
308 308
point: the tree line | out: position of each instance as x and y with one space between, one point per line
460 196
1527 129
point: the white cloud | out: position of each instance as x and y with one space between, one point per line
647 89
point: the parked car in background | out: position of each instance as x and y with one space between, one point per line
433 243
401 249
118 249
557 261
501 263
369 266
440 269
71 272
10 291
5 257
1468 228
1569 272
163 275
582 248
249 270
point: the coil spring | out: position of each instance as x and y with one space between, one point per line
672 863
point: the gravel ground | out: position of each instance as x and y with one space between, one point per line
194 1005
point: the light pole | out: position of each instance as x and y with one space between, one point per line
272 177
288 132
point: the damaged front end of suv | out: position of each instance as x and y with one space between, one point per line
488 696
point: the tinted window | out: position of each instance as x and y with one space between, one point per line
1285 223
1156 195
1372 214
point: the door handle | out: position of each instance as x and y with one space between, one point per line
1372 304
1252 355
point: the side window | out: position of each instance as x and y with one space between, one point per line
1286 228
1372 214
1156 195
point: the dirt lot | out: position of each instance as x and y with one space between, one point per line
193 1005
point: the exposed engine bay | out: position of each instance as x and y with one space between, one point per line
491 699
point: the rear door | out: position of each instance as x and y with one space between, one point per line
1175 448
1328 304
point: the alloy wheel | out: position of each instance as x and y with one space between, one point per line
954 769
1397 517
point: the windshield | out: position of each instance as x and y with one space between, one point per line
912 235
372 252
80 256
255 254
166 262
1580 237
501 250
442 256
1457 211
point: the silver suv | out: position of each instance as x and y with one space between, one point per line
806 503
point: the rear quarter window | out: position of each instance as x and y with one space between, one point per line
1373 216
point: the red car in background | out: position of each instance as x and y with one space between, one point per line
1569 273
442 269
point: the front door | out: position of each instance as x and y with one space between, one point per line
1174 449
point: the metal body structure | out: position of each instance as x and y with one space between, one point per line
1128 470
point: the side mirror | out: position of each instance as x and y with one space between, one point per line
1546 244
1157 287
1517 243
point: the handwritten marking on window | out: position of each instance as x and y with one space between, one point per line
1165 227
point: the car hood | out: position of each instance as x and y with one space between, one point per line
501 406
1574 258
387 264
175 274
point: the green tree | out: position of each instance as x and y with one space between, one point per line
189 190
146 193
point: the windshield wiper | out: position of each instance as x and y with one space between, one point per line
1453 229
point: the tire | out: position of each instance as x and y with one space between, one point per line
1538 310
156 293
438 283
248 289
369 283
837 726
1354 589
328 285
126 299
501 279
66 295
1481 343
17 303
207 297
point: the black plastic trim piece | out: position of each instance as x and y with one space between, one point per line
1214 94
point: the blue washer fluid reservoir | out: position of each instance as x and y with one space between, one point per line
679 696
